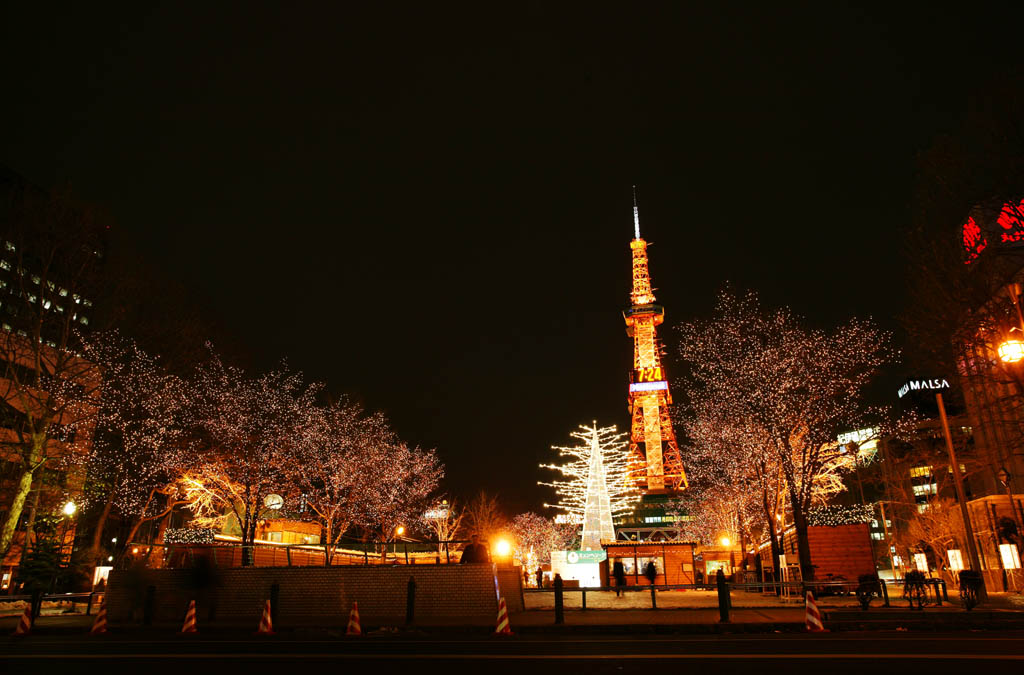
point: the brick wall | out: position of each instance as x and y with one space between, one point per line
510 581
310 596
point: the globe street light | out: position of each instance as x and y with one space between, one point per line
70 508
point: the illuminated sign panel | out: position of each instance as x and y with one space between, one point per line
649 386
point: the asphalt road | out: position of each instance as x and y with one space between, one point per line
831 654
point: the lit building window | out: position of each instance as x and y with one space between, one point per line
926 489
920 471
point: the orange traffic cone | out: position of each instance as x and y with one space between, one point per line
354 628
812 617
100 624
266 625
190 619
25 625
503 627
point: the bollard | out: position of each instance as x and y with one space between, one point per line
88 606
723 596
275 593
148 605
885 593
584 591
410 601
654 599
559 608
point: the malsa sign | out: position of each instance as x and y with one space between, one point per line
936 384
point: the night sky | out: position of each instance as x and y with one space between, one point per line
430 208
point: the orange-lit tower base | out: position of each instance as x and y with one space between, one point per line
655 464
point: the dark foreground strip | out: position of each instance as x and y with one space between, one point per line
531 657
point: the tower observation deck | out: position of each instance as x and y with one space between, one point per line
655 464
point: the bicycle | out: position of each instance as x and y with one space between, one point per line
914 590
970 583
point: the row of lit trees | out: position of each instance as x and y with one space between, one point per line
220 441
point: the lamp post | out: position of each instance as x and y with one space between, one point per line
972 550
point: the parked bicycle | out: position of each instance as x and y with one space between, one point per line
970 584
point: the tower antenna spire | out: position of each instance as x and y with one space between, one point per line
636 216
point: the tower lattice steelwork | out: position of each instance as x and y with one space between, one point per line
655 464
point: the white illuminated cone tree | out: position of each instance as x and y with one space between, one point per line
595 486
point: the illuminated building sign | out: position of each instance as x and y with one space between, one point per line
998 224
649 386
936 384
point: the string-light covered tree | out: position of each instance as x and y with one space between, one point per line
792 386
245 425
335 450
534 537
141 445
400 482
595 485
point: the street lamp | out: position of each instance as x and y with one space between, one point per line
70 508
1011 351
400 530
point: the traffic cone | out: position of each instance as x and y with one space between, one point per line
812 617
266 625
354 628
503 627
25 625
190 619
100 624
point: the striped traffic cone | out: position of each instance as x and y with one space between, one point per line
266 625
190 619
25 625
100 624
503 627
354 627
812 617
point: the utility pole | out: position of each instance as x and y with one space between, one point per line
972 550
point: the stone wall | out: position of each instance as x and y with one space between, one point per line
308 596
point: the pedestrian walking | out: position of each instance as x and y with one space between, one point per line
619 574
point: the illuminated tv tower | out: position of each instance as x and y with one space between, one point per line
655 464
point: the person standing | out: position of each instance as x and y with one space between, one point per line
619 574
540 577
651 572
475 552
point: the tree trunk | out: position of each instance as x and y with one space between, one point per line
97 535
773 539
802 542
21 490
327 544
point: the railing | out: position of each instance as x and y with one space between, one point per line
724 589
90 598
223 554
